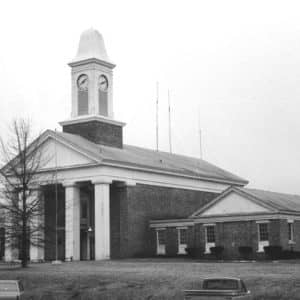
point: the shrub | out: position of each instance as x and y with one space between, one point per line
273 252
245 252
290 254
194 252
217 251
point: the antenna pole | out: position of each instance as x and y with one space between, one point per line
170 129
157 96
200 137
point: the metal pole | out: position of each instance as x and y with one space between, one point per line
200 136
157 96
170 132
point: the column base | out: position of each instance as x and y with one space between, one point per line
37 260
69 259
56 262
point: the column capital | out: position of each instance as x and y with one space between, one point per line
126 183
101 180
69 183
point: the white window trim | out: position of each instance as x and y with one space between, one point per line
209 245
160 248
262 244
262 221
291 241
181 247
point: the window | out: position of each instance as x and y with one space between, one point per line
210 234
183 236
263 232
291 231
83 94
103 95
210 237
220 284
84 209
263 235
161 238
160 241
182 240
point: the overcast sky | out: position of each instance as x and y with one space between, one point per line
235 65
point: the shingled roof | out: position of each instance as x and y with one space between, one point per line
132 156
282 202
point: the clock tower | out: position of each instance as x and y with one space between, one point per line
92 93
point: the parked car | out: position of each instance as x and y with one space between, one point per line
11 289
220 289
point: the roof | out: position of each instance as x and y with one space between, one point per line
276 202
132 156
280 201
91 45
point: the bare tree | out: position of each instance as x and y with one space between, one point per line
22 158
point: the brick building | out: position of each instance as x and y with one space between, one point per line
239 217
115 200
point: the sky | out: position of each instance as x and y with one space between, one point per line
232 68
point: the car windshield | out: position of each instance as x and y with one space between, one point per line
220 284
8 287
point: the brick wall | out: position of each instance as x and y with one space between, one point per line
98 132
296 247
140 204
232 235
284 238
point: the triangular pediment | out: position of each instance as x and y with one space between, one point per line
233 203
58 154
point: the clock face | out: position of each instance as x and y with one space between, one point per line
82 82
103 83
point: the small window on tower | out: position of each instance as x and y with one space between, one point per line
103 95
83 94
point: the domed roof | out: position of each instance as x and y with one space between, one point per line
91 45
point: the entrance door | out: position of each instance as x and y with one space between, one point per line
83 244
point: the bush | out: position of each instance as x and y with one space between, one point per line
217 251
290 254
245 252
194 252
273 252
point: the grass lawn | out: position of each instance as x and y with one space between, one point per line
150 278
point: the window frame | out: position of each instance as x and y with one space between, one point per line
263 242
160 247
263 235
181 245
208 242
291 231
82 96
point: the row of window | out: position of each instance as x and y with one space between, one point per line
182 236
161 240
210 237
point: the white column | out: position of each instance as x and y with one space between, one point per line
10 253
72 194
37 244
102 219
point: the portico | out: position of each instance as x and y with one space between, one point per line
87 219
84 234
